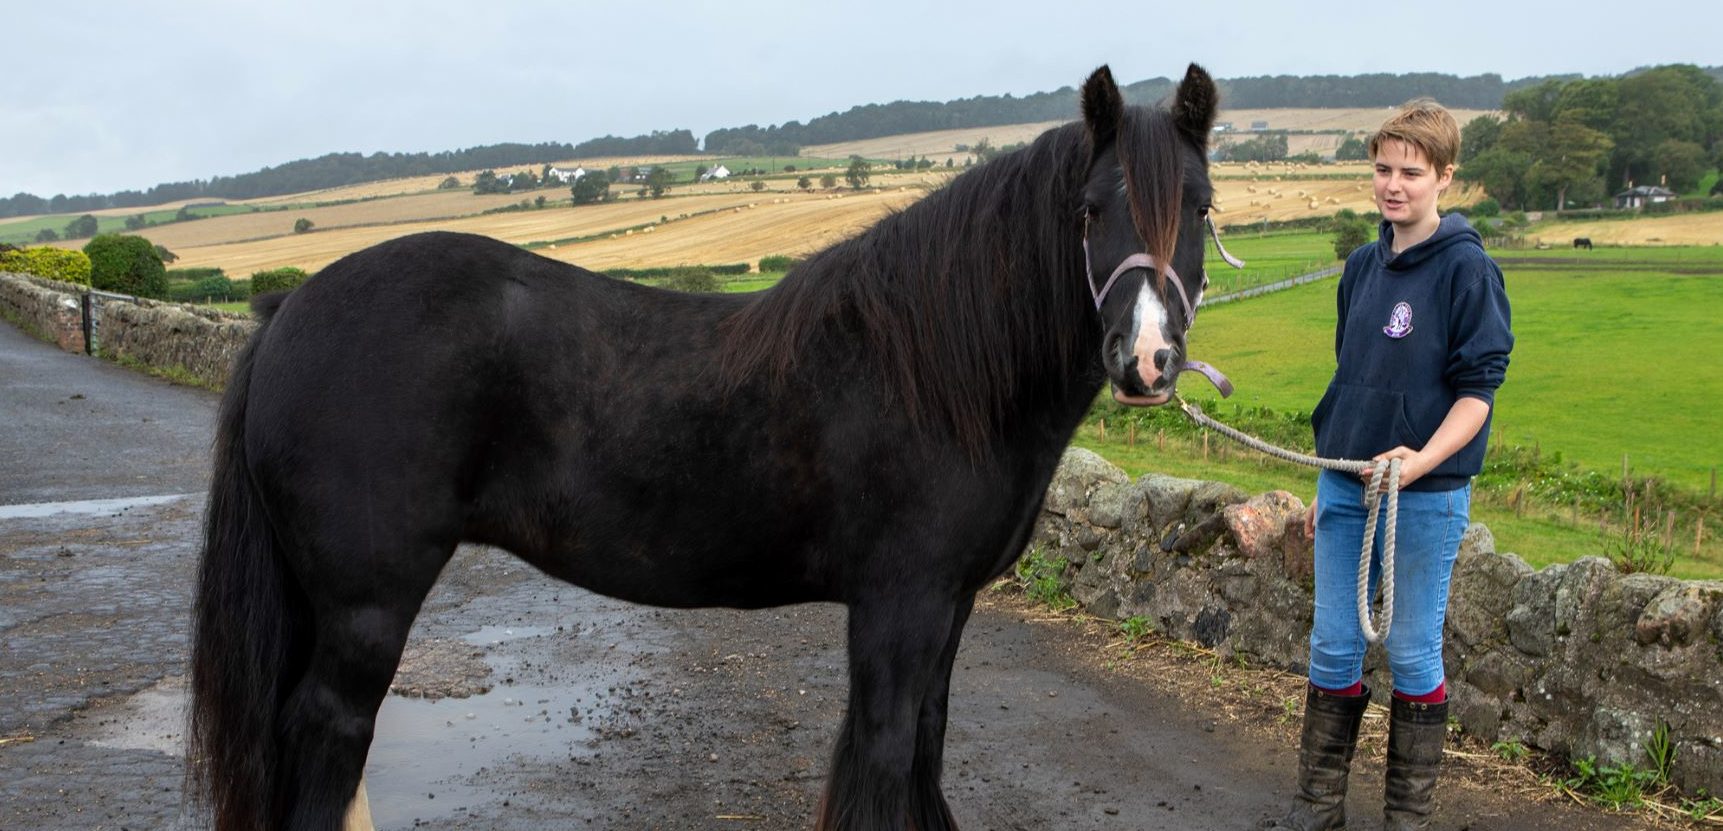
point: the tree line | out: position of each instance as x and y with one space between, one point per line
1487 91
327 171
1577 141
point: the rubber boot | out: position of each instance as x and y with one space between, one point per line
1416 735
1324 760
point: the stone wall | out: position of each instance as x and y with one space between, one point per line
1576 659
194 343
46 309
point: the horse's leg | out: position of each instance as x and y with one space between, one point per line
927 802
895 649
363 608
359 812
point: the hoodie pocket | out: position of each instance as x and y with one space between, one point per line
1354 422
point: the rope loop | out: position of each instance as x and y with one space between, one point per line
1372 503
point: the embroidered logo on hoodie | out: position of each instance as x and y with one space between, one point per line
1399 321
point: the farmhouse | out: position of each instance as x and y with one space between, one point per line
1643 195
719 172
566 175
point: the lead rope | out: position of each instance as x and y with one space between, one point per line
1372 502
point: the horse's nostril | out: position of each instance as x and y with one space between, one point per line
1163 357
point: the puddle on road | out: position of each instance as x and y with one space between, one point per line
492 635
427 753
428 757
38 510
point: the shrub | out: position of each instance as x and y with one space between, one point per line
278 279
303 225
209 287
127 264
691 280
1487 207
1348 235
778 262
52 263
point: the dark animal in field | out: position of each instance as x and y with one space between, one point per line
876 430
1582 242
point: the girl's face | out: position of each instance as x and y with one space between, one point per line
1406 188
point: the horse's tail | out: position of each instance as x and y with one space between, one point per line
243 644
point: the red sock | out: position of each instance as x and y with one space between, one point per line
1435 696
1356 689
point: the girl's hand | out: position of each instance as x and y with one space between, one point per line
1310 521
1412 465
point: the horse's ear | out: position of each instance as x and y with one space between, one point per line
1195 104
1103 108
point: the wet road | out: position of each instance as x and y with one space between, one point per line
593 713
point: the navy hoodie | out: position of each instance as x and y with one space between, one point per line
1416 332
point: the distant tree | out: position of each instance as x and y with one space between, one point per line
47 235
1479 136
658 180
789 168
1349 232
166 255
982 150
828 181
593 187
487 182
538 202
1502 173
522 180
302 225
83 226
857 174
1680 164
804 183
450 183
1352 149
135 222
126 264
700 172
757 185
184 214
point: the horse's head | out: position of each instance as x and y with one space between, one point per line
1145 206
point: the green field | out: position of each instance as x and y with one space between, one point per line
1616 355
1268 258
24 231
1606 363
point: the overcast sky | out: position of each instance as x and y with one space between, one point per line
104 96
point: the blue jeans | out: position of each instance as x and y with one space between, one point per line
1428 540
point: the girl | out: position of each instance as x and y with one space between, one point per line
1421 345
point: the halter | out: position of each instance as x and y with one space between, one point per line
1147 261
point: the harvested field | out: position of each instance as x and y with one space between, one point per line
421 184
1351 119
1680 229
937 145
787 224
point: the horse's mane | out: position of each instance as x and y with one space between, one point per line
947 299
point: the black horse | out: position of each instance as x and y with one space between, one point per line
877 430
1582 242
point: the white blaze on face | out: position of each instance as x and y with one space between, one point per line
1149 322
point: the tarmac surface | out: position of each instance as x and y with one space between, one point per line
527 703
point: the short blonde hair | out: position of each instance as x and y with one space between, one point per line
1426 125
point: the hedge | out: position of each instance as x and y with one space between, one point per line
661 272
278 279
52 263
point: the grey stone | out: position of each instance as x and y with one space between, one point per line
1531 623
1679 614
